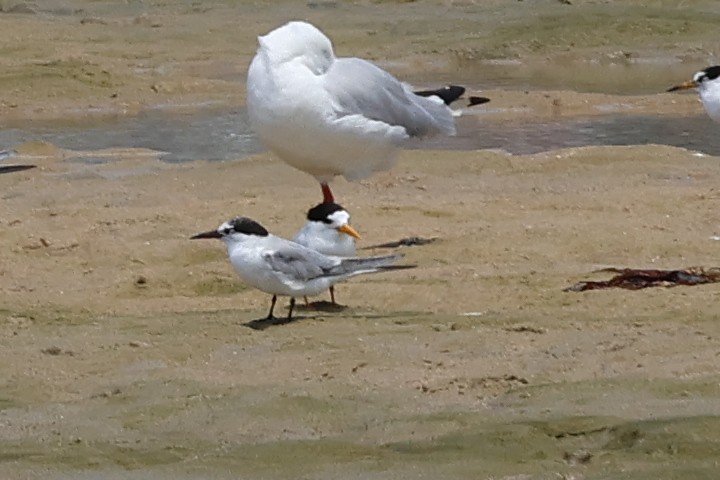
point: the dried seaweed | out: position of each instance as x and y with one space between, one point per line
636 279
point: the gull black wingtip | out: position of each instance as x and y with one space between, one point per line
447 94
210 234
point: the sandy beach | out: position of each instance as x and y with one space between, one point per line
125 353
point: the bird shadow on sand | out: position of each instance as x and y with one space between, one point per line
396 318
265 323
319 306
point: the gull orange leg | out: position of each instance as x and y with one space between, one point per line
327 193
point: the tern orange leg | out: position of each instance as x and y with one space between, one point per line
327 193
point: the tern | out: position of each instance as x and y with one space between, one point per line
281 267
708 84
328 231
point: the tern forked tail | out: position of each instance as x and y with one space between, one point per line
359 265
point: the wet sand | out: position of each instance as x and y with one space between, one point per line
125 353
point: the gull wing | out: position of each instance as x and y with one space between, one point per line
359 88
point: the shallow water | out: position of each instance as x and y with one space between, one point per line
227 135
694 133
184 137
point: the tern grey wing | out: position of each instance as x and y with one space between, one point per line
361 88
299 263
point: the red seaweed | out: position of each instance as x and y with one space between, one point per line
636 279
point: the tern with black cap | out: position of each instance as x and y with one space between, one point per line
328 231
707 83
281 267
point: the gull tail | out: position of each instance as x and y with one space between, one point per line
360 265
